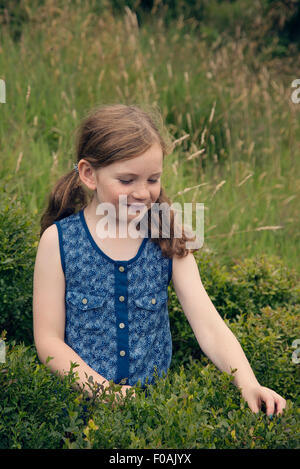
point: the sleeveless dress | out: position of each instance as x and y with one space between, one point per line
117 316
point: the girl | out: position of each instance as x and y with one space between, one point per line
102 301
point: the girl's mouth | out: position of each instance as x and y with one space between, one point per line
137 207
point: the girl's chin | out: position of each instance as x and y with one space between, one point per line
130 213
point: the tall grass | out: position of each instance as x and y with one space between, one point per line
229 111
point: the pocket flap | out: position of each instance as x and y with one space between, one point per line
85 301
152 301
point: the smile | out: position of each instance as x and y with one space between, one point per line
140 206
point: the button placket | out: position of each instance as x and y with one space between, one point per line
121 296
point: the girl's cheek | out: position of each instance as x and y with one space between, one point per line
157 192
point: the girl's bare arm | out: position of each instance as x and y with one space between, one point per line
215 338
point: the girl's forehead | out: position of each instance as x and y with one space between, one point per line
150 161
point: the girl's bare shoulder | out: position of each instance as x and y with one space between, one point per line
49 245
48 266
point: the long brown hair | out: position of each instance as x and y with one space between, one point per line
110 133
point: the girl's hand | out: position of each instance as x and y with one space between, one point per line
254 396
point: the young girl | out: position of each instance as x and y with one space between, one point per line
101 301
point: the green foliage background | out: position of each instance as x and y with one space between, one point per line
220 72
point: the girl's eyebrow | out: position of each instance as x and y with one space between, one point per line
133 174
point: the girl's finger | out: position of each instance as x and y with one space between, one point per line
270 403
280 402
280 405
254 406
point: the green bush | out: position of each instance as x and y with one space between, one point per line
17 253
194 406
267 341
250 285
35 404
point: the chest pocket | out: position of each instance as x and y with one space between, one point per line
85 309
152 301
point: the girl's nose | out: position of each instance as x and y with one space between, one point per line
141 194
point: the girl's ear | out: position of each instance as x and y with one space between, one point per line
87 174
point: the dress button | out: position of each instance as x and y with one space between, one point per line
153 301
84 301
122 353
121 325
121 298
121 268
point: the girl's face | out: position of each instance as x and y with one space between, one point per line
137 178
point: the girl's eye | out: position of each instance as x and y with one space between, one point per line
128 182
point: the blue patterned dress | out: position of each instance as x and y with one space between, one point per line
117 317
